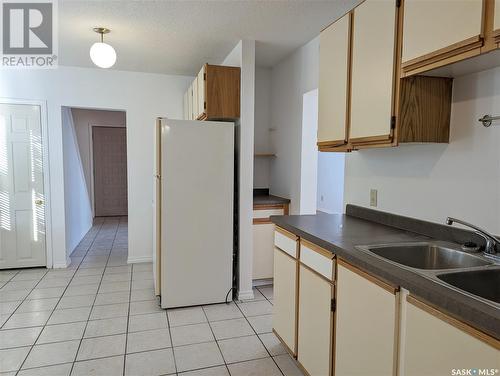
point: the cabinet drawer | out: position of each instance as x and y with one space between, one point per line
317 258
266 213
285 241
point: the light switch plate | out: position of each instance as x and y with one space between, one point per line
373 197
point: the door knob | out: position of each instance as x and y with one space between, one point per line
39 202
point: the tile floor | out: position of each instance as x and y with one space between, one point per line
100 317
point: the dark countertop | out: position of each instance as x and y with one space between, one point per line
270 200
261 196
341 233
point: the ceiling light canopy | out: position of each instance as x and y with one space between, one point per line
102 54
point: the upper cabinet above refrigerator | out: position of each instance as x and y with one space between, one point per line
214 94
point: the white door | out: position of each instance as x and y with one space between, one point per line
22 200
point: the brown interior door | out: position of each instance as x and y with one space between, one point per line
110 171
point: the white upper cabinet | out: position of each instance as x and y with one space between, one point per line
433 25
190 102
195 98
373 62
200 80
333 83
185 106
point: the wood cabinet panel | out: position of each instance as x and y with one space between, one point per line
334 63
222 92
433 346
425 109
430 26
365 328
285 299
315 345
372 88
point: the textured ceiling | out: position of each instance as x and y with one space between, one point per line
177 37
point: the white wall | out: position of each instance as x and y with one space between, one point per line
433 181
77 205
309 153
143 96
243 55
291 78
262 141
84 119
330 195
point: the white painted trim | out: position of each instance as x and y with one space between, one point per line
63 265
137 260
245 295
46 170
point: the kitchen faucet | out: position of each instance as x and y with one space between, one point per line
492 241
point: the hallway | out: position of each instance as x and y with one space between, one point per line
100 317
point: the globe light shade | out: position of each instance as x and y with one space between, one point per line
103 55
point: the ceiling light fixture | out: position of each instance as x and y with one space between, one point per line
102 54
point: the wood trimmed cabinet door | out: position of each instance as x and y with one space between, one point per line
366 322
316 307
334 67
285 290
314 342
439 32
434 344
373 87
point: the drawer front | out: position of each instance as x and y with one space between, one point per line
317 261
267 213
285 243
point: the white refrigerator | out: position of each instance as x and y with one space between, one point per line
193 216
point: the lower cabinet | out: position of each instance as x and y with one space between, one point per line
315 345
285 299
366 322
435 344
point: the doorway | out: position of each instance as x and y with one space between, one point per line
22 191
95 169
322 173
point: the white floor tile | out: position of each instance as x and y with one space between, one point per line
190 334
112 366
101 347
51 353
150 363
197 356
261 367
62 332
242 348
148 340
186 316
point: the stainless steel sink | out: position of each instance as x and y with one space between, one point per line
426 255
483 283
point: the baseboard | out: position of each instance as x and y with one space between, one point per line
245 295
137 260
62 265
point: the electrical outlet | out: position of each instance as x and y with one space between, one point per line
373 197
322 198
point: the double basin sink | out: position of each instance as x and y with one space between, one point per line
472 274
